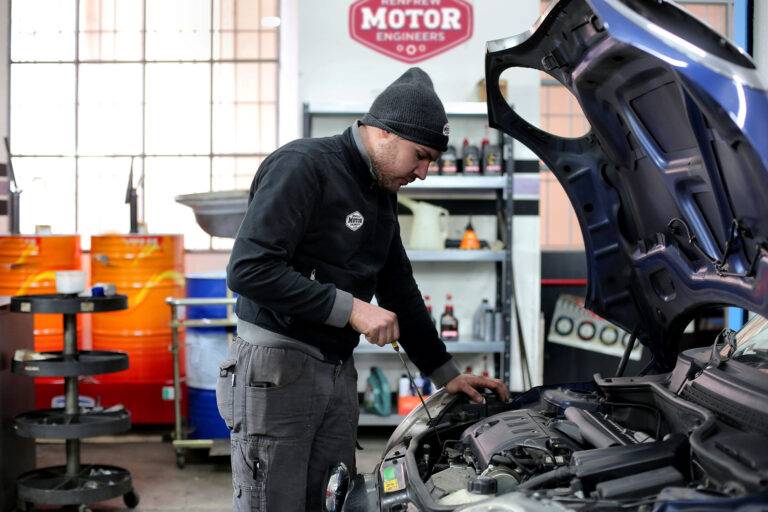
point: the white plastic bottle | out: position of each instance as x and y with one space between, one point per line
478 320
404 386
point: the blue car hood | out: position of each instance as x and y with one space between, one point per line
670 186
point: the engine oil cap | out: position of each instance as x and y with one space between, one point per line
482 485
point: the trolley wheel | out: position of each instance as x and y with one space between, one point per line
131 499
181 460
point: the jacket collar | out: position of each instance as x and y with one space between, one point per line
357 157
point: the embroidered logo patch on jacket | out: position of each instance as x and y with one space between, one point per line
355 221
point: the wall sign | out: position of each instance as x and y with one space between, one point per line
575 326
410 30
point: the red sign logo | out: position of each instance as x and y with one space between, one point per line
410 30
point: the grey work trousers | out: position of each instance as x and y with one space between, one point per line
291 418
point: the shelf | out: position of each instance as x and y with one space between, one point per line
453 347
56 424
58 364
373 420
457 108
457 255
53 486
67 304
458 183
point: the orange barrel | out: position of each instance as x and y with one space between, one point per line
28 265
146 268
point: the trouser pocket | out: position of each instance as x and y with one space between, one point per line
281 412
250 468
225 391
278 394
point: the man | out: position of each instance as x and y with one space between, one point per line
319 238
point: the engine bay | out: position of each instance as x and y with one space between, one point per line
608 445
569 438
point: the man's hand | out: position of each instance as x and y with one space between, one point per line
467 383
377 324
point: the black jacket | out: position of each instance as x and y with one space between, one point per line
301 247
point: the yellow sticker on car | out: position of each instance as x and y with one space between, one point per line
391 485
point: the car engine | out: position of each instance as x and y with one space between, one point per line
565 436
573 446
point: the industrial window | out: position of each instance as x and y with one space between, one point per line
561 114
186 89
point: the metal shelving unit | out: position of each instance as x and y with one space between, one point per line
492 194
455 255
72 483
459 183
180 443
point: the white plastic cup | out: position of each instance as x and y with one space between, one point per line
70 281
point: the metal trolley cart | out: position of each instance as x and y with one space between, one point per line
73 483
180 443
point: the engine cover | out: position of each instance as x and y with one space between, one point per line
524 429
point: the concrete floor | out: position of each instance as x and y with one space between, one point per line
204 485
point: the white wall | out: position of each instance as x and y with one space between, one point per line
4 27
334 68
761 39
4 86
4 72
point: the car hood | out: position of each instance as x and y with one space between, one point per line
670 186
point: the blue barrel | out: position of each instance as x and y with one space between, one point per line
204 285
205 348
204 418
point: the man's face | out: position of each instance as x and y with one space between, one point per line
398 161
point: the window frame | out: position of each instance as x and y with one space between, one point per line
277 135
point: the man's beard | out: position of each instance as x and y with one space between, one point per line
383 160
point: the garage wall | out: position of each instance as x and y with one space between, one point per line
5 20
334 68
760 26
4 75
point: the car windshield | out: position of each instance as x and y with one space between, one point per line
752 341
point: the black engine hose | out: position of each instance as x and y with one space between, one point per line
550 477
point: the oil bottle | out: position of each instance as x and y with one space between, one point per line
470 157
448 163
428 304
491 158
449 324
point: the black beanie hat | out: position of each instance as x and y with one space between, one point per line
410 108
